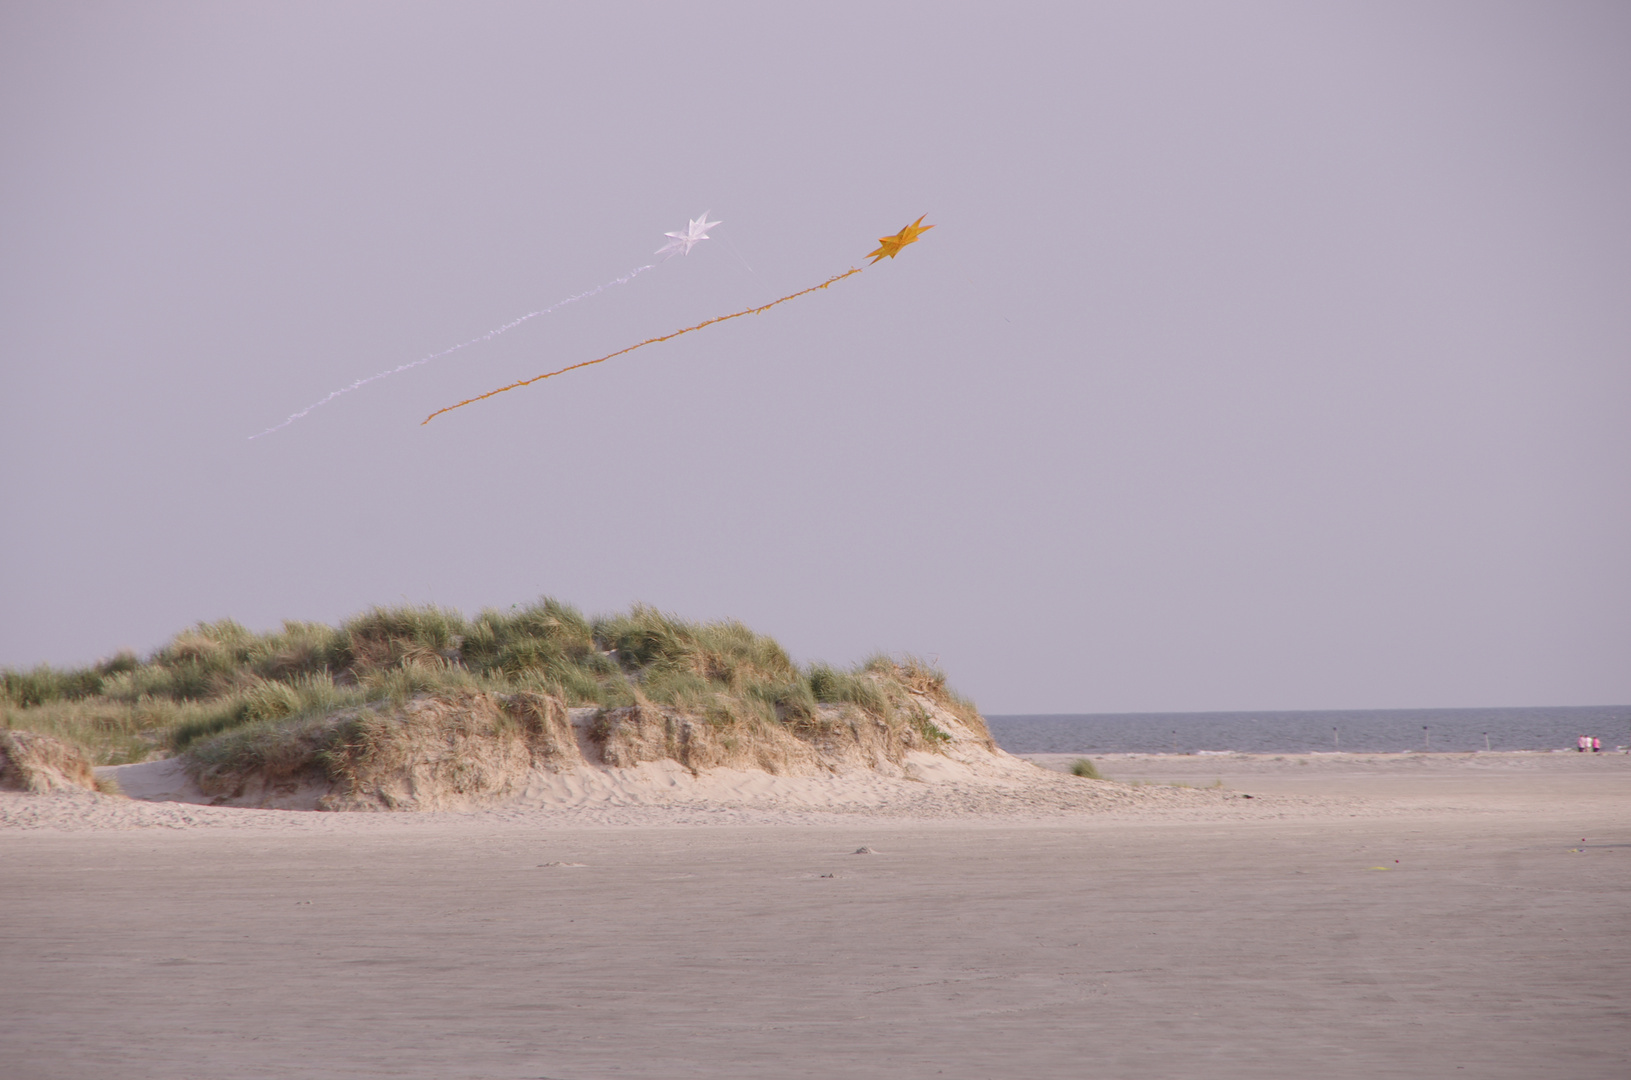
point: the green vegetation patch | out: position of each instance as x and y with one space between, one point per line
219 691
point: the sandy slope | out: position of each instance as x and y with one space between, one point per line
973 783
970 782
1347 922
657 794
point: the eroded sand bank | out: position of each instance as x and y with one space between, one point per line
1338 931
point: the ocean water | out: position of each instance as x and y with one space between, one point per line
1368 731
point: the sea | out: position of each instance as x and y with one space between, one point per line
1358 731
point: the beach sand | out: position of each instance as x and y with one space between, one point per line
1360 916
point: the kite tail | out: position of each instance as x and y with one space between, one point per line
488 336
648 341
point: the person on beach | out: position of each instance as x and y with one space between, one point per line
1596 745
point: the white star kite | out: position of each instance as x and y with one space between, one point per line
683 242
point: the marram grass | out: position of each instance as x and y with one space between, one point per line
221 684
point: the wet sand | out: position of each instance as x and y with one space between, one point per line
1521 781
1396 926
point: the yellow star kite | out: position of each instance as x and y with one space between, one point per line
891 245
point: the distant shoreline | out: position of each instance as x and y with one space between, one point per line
1354 755
1377 731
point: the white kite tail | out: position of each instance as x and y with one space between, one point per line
488 336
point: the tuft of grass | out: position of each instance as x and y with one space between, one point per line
926 728
300 648
861 688
268 700
684 690
384 638
723 652
44 684
277 750
790 701
548 638
110 732
1085 768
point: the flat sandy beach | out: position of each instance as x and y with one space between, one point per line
1361 916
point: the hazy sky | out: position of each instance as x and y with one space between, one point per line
1264 356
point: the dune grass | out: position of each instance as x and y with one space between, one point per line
219 678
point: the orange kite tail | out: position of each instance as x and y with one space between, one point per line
648 341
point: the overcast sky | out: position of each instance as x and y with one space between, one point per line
1264 356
